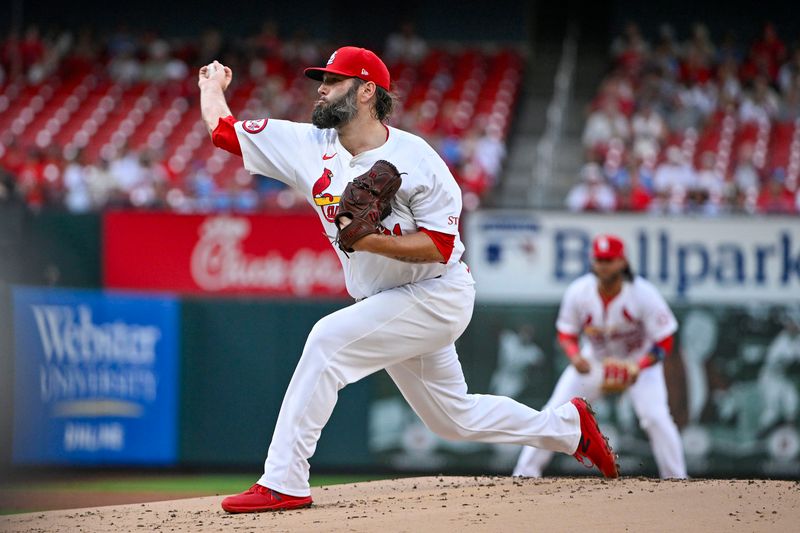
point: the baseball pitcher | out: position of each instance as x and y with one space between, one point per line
391 208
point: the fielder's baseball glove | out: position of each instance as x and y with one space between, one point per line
618 375
366 200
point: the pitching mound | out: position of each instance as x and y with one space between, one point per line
468 504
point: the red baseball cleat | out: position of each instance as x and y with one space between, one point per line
593 444
258 499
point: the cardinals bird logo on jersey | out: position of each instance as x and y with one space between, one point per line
328 203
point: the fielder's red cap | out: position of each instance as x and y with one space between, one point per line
354 62
608 247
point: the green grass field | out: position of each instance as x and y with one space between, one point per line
201 484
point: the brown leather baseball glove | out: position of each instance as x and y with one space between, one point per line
618 375
366 201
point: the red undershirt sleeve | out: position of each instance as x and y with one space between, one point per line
666 344
224 136
444 242
569 343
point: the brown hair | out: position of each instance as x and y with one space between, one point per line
384 102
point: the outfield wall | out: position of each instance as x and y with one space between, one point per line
734 385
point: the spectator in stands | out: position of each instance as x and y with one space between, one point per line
405 45
160 66
630 49
151 187
473 180
32 49
83 56
770 50
729 49
710 184
266 60
789 105
633 195
774 198
619 88
699 101
745 175
605 124
664 59
202 186
121 41
699 46
760 104
728 85
102 186
649 130
696 64
789 72
594 194
31 181
125 68
490 152
300 50
127 171
76 184
267 43
673 179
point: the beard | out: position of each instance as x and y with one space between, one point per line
337 113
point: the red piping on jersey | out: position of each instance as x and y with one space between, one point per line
569 343
224 136
444 242
606 299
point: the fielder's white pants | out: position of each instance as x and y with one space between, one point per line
409 331
649 398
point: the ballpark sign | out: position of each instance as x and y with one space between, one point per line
283 255
95 378
524 256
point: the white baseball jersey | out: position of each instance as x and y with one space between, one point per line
314 162
625 328
409 323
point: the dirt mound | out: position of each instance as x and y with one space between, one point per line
468 504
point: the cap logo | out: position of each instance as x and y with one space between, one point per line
602 245
364 72
333 56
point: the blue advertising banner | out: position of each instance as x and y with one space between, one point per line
96 377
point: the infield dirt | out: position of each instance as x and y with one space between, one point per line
467 504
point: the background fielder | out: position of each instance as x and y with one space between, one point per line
620 316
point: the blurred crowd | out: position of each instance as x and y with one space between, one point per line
45 170
694 126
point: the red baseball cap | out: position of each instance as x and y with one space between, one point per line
608 247
354 62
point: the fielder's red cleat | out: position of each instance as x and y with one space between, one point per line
593 444
258 499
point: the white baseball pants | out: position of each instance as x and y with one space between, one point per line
409 331
649 398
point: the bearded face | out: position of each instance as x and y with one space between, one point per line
336 113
